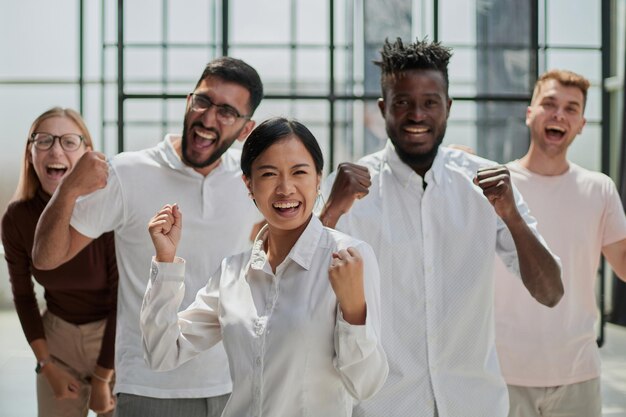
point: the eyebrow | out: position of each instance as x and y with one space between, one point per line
293 167
571 102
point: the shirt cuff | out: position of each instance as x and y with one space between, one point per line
168 271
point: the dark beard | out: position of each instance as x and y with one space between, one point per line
217 154
423 160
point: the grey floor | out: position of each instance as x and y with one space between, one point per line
17 378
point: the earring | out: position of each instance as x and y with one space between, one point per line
250 194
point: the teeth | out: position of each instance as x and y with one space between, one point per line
417 130
56 166
557 128
286 205
206 135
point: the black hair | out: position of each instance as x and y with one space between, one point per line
422 55
273 130
236 71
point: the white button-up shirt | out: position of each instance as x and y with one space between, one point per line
289 349
436 249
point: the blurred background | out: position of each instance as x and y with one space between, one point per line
127 65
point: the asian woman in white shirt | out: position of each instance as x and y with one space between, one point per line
299 313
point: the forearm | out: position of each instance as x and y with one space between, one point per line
330 215
40 349
53 237
539 270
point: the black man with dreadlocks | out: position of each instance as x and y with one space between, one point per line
436 217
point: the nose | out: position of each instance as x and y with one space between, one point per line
284 187
56 146
209 117
417 113
559 113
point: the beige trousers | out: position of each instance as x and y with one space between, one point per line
74 348
582 399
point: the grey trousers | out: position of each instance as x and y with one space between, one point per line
129 405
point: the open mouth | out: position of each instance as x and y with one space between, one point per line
554 132
286 207
56 171
203 138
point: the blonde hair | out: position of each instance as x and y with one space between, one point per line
29 182
565 78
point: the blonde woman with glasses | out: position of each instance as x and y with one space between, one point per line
73 340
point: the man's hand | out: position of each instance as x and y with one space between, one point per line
496 185
89 174
346 278
165 230
352 182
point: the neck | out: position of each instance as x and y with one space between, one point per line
544 164
279 243
178 148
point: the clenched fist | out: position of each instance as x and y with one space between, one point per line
165 230
346 278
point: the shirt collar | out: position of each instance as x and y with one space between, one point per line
302 252
174 161
405 173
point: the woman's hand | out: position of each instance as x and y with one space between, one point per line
346 278
101 400
63 384
165 230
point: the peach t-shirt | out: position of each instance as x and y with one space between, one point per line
578 213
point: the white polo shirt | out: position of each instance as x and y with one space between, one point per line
436 249
218 219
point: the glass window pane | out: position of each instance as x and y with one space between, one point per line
142 65
462 72
34 45
585 62
143 110
185 66
311 21
578 26
194 21
311 71
272 64
143 22
246 27
501 132
457 21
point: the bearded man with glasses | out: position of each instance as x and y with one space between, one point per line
200 172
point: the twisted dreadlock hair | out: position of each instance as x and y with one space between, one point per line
422 55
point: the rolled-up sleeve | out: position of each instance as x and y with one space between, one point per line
171 338
361 360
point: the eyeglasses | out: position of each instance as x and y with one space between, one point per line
44 141
226 114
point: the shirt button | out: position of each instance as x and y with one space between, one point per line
258 362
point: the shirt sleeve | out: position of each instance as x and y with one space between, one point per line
106 359
101 211
360 358
17 256
505 246
614 219
171 338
